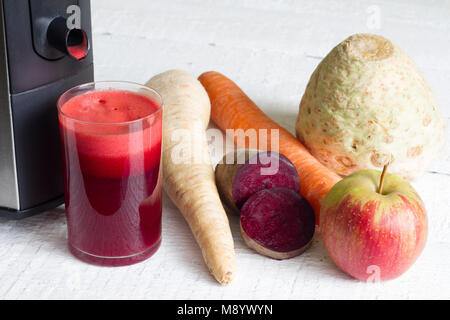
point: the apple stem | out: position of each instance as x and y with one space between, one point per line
383 174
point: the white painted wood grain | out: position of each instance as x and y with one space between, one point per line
270 48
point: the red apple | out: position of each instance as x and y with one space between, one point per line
369 234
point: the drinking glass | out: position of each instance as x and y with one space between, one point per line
112 172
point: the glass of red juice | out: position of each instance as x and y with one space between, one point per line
111 148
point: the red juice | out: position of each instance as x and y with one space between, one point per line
79 50
112 150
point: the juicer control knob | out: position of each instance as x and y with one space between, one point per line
72 42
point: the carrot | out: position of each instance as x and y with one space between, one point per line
231 108
188 176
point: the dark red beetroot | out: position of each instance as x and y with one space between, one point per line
251 171
265 170
278 223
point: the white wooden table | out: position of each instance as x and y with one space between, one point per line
270 48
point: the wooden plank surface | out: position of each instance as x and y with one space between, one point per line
270 48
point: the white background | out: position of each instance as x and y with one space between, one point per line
270 48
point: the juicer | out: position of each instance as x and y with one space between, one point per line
45 49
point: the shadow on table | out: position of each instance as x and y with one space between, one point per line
179 244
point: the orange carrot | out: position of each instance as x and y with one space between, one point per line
231 108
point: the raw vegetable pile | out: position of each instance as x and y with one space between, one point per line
279 211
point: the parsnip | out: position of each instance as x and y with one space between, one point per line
188 175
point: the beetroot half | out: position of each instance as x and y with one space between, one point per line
256 174
244 172
278 223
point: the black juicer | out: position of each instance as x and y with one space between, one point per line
45 49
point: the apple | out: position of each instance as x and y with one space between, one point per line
374 225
